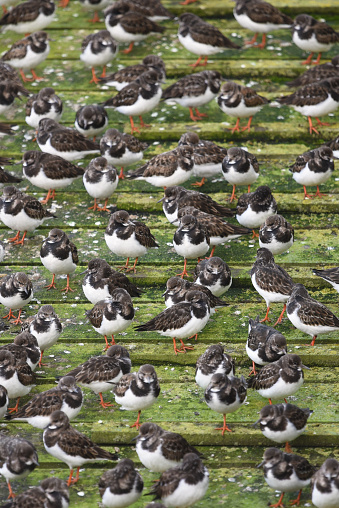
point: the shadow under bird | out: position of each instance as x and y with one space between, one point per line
65 443
185 319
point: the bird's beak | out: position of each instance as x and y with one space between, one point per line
304 367
161 200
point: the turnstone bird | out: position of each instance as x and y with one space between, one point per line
121 486
25 349
100 181
137 98
253 208
65 142
213 361
309 315
314 36
45 326
65 443
264 344
185 319
66 397
276 234
91 120
152 9
138 390
95 5
168 168
314 100
21 212
3 401
59 255
126 75
193 91
102 373
191 240
325 485
16 291
128 238
5 177
112 315
51 493
18 458
201 38
279 379
183 485
313 168
98 49
101 280
49 172
130 27
28 17
18 379
207 156
271 281
240 167
9 91
240 101
334 145
158 449
260 17
331 275
317 73
44 104
215 274
177 288
121 149
286 472
219 231
225 395
28 53
283 422
177 197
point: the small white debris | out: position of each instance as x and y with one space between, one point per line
67 352
81 493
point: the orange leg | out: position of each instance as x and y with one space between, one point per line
212 252
306 195
15 408
35 77
187 2
312 129
266 318
270 402
121 174
94 77
133 128
319 122
279 503
248 126
17 320
67 287
129 49
4 9
126 266
201 115
198 62
104 208
183 347
288 449
318 193
224 427
40 360
95 206
313 341
50 195
11 493
233 196
103 75
248 188
72 480
132 268
51 285
107 345
24 78
252 41
184 272
263 42
199 184
63 3
308 60
137 424
192 116
254 234
236 127
104 404
253 371
142 124
10 315
176 350
95 18
317 61
21 242
281 316
15 238
296 501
